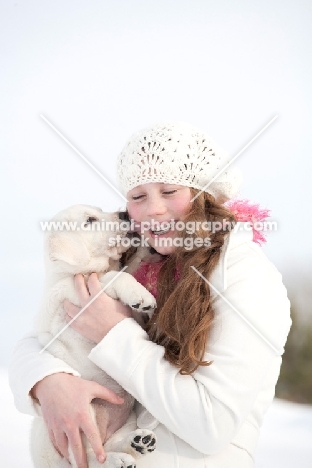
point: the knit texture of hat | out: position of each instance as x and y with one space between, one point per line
177 153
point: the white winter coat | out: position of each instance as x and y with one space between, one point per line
212 418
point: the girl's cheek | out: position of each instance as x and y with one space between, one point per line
133 212
182 207
183 204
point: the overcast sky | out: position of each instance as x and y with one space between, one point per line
100 70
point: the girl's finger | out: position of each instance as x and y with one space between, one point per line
94 438
60 443
105 394
70 308
81 289
76 445
94 284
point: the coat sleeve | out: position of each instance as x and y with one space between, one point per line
27 367
207 409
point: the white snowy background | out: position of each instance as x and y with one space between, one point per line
100 70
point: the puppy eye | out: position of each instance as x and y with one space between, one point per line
91 220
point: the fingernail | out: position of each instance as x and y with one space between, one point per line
101 459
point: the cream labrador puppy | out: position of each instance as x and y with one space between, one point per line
93 244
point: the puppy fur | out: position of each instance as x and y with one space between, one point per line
86 250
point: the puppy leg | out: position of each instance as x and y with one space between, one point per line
128 290
135 445
131 440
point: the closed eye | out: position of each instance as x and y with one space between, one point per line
166 192
169 192
91 220
137 197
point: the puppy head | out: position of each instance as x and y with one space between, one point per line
83 238
68 247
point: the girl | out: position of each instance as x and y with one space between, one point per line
204 370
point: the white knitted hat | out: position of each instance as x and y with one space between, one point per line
176 153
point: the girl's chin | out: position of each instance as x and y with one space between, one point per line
164 250
163 246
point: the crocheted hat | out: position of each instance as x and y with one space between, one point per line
177 153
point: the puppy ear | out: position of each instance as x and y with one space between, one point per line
69 248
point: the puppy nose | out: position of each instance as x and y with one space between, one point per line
123 215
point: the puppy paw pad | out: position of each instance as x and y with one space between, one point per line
144 443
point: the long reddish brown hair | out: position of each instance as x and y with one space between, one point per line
182 321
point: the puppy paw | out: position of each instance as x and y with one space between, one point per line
147 309
143 301
144 444
142 441
129 291
119 460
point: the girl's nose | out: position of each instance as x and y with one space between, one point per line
156 206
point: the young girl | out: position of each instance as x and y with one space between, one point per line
204 371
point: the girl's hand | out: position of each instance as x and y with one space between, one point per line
100 316
65 403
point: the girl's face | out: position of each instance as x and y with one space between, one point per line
155 208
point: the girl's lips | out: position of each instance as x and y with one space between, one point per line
145 227
160 231
153 235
